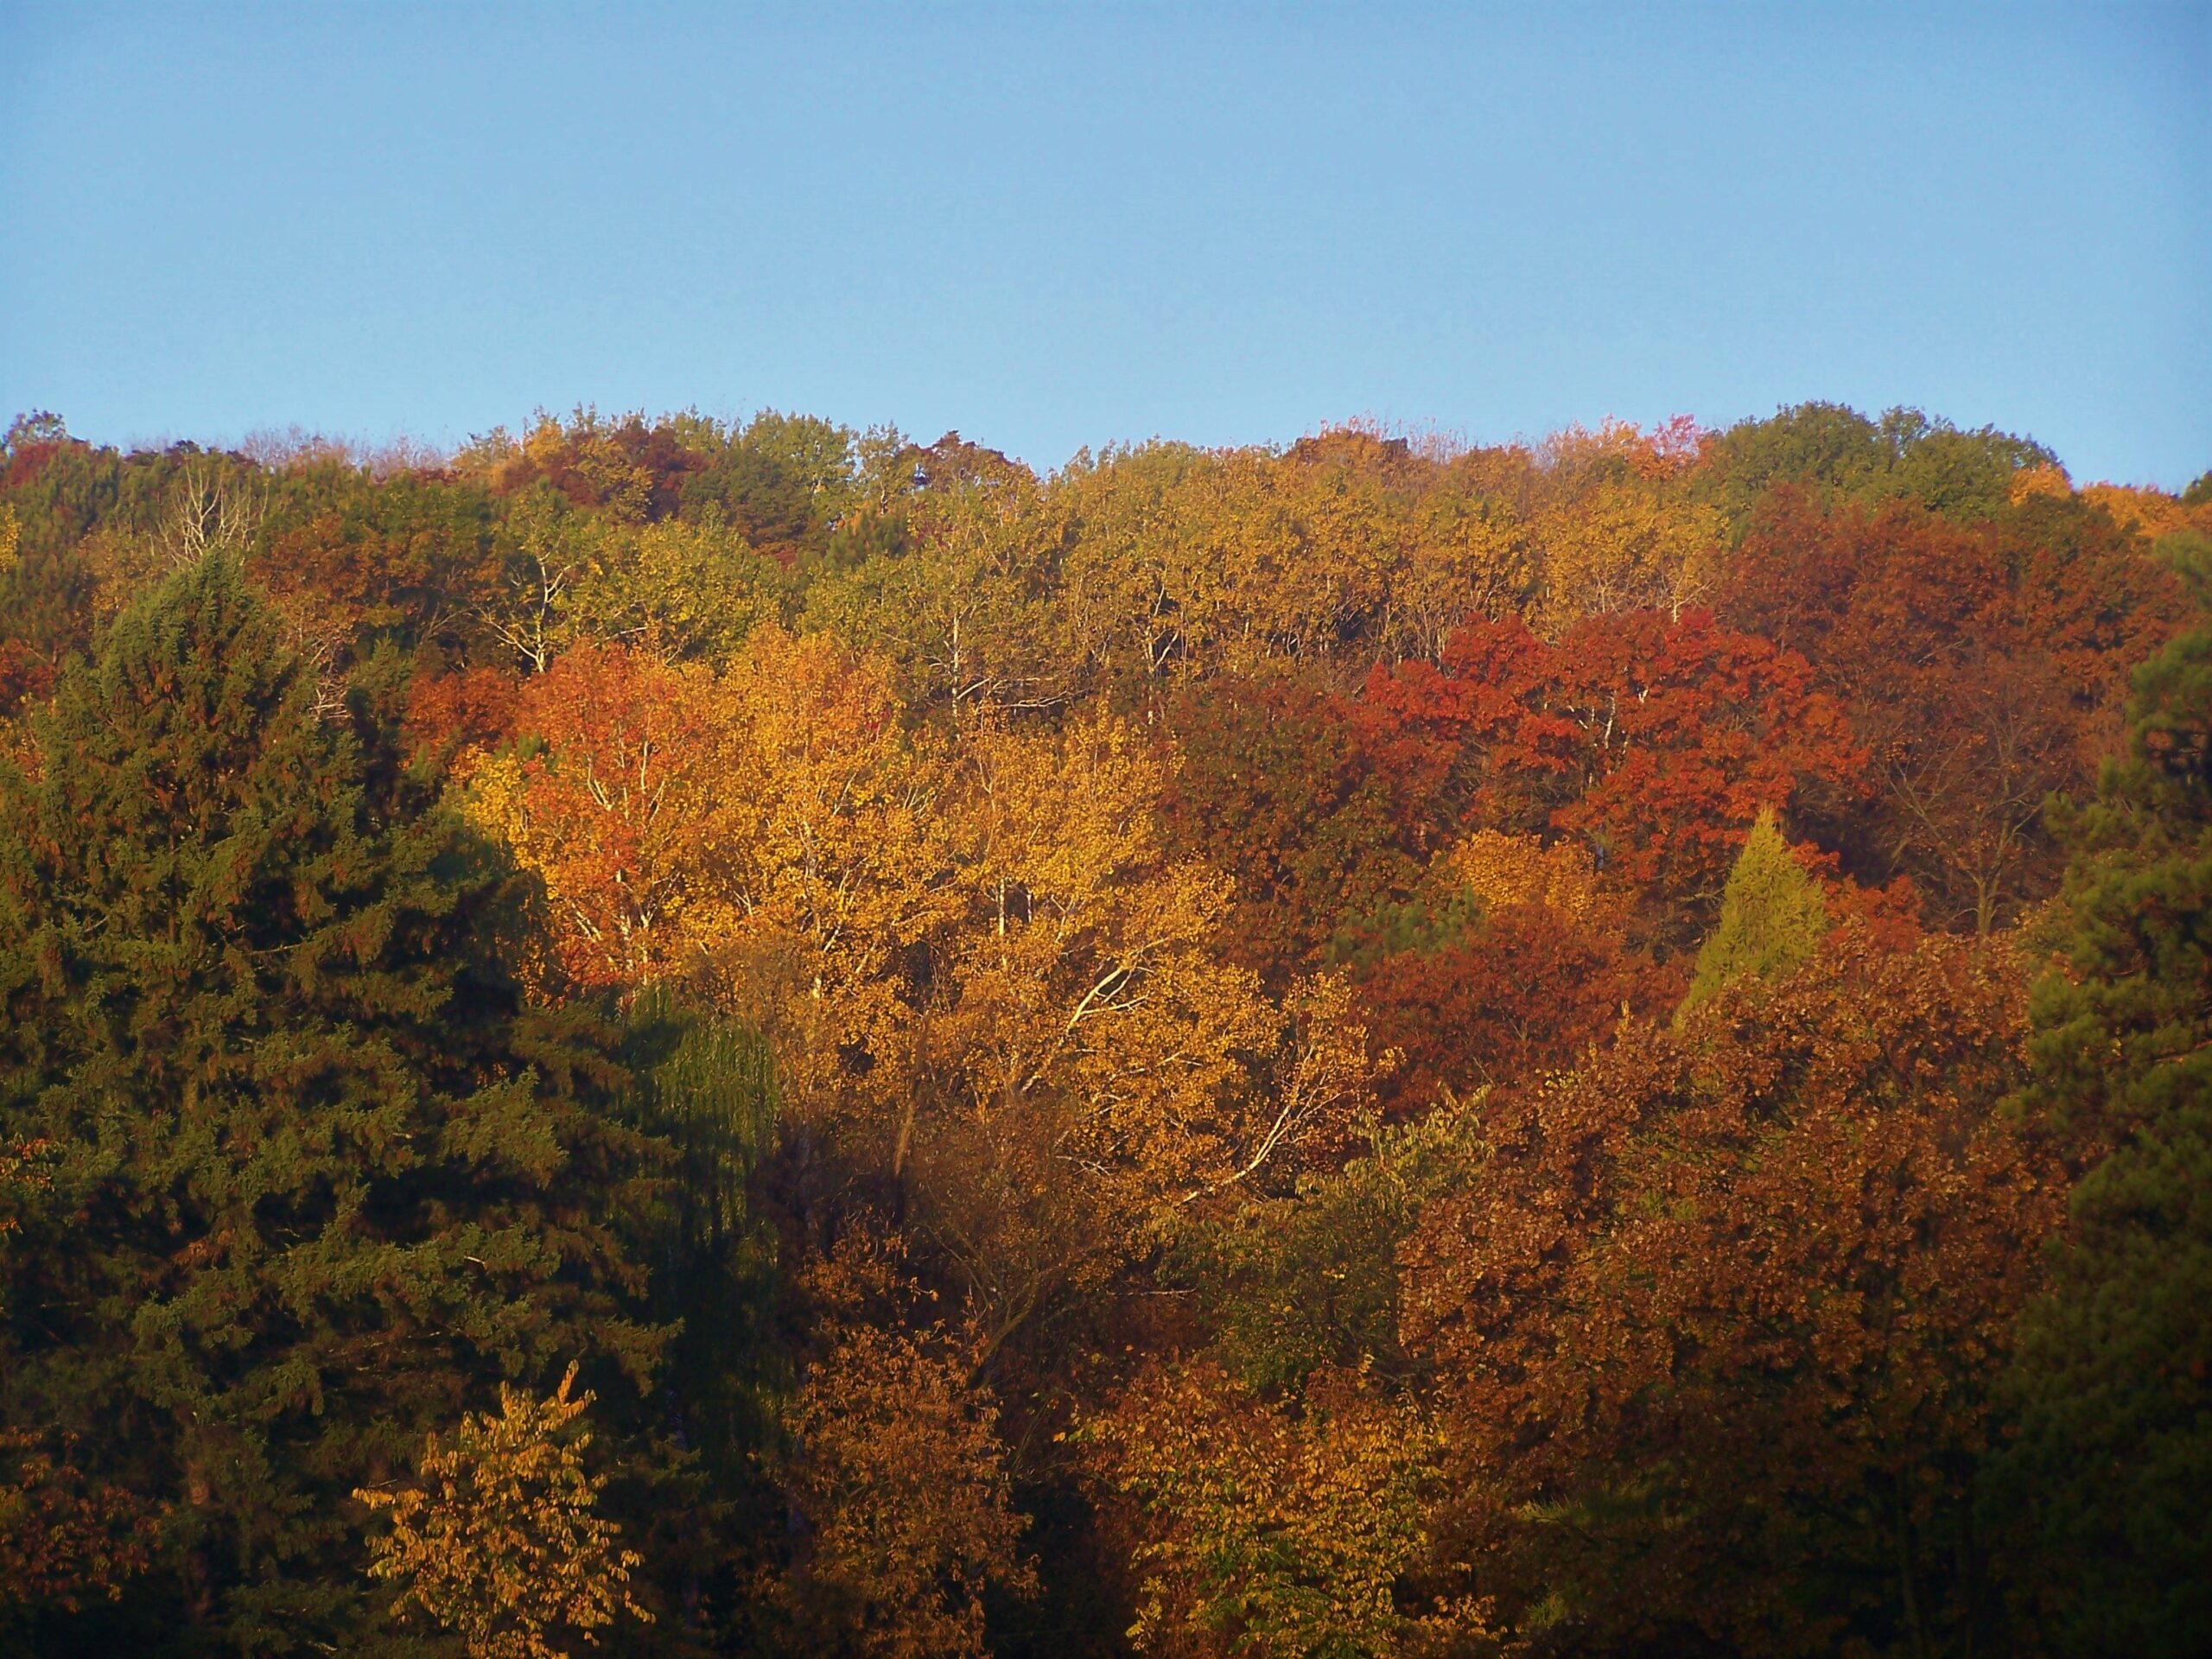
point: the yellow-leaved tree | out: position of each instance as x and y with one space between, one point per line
1084 1062
1630 543
679 590
1502 870
983 973
826 863
964 606
1075 1057
769 829
1469 557
499 1541
902 1481
1277 1531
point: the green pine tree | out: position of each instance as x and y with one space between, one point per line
1772 917
2105 1481
320 1176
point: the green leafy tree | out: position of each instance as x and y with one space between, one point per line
678 589
780 481
2113 1384
1290 1284
1836 451
317 1173
1772 917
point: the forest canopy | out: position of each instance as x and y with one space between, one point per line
687 1038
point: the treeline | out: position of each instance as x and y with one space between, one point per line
762 1039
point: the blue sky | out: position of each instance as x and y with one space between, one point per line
1054 225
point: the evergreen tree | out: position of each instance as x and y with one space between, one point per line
1772 917
318 1178
2113 1383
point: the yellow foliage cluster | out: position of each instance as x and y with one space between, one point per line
499 1543
675 588
910 1511
2143 510
2149 512
1150 563
807 842
1274 1530
979 967
2030 481
1502 870
1626 545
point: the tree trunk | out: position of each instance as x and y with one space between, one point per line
1907 1581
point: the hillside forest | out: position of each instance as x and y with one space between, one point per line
677 1038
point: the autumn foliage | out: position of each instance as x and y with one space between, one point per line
1739 1288
1375 1047
498 1540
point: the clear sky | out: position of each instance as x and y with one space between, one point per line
1052 225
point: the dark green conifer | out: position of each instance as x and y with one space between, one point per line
2105 1483
1772 917
320 1175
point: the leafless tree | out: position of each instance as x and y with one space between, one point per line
210 511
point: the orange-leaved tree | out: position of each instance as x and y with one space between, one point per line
1512 960
1654 740
690 824
902 1484
1981 667
1717 1322
612 807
